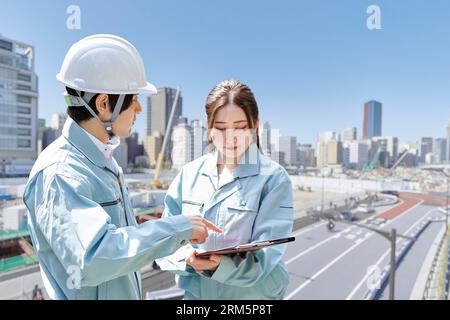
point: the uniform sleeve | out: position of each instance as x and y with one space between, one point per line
82 236
172 208
274 220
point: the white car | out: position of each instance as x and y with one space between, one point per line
365 208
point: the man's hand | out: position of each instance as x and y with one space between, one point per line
200 228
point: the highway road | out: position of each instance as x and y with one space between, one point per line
347 262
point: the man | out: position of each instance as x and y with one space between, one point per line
80 217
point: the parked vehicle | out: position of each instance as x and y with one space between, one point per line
365 208
347 215
391 192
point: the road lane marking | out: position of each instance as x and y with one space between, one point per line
293 293
301 254
350 236
302 286
363 280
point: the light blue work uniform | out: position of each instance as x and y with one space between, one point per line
254 205
82 224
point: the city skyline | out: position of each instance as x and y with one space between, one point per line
324 65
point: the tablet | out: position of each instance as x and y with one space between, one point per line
245 247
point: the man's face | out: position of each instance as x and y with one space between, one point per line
125 121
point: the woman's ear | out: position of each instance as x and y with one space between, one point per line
209 135
102 105
257 123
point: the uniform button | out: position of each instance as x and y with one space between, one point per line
243 203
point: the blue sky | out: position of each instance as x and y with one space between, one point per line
311 64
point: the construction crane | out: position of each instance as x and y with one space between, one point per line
156 182
376 158
400 159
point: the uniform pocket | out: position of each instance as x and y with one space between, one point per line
114 209
110 203
237 219
276 283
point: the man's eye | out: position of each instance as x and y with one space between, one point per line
221 129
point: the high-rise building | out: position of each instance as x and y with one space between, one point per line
322 149
350 134
346 154
306 155
18 101
359 154
388 157
56 125
58 120
135 149
288 146
181 120
448 143
321 154
159 107
40 135
152 147
426 147
334 152
328 136
440 150
265 138
182 145
49 136
121 154
372 123
199 139
411 158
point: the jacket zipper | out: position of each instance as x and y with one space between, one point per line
126 218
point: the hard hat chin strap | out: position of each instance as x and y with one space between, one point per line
78 101
116 111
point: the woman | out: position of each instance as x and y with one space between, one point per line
244 193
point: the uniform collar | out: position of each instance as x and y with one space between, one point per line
81 140
248 164
106 148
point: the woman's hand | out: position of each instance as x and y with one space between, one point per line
201 264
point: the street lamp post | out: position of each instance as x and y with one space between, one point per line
392 238
323 180
446 202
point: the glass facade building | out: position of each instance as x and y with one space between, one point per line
18 101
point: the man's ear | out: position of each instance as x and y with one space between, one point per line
102 105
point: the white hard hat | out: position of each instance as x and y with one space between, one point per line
104 63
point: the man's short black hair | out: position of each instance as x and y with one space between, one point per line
79 114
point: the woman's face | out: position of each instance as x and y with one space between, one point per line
231 133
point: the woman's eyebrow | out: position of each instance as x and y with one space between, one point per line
233 122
